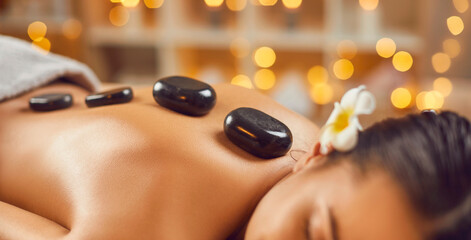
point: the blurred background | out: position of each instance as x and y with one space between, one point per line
412 54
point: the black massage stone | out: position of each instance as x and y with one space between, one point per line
50 102
184 95
258 133
115 96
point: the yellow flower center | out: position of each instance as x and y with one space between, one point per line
342 120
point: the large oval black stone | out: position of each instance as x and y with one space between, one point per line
50 102
258 133
115 96
184 95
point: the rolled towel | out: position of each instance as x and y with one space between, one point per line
23 68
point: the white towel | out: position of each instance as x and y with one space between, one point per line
23 68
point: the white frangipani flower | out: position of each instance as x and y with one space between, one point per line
341 129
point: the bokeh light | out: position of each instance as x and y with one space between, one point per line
119 16
402 61
37 30
401 98
43 45
321 93
72 29
443 85
441 62
242 80
346 49
452 47
461 5
429 100
385 47
455 25
130 3
213 3
265 57
317 74
265 79
240 47
116 1
343 69
153 3
292 4
369 5
236 5
267 2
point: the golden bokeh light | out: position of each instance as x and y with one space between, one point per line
130 3
240 47
236 5
346 49
317 74
265 57
116 1
264 79
119 16
37 30
43 45
455 25
292 4
461 5
369 5
401 98
267 2
443 85
153 3
386 47
402 61
242 80
321 93
452 47
441 62
213 3
343 69
430 100
420 100
72 29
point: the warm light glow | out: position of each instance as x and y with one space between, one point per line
130 3
72 29
292 4
461 5
236 5
321 93
420 100
153 3
402 61
346 49
265 57
317 74
455 25
443 85
430 100
343 69
264 79
240 47
451 47
369 5
214 3
37 30
267 2
119 16
441 62
116 1
386 47
401 98
242 80
43 45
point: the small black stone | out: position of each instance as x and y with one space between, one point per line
50 102
115 96
184 95
258 133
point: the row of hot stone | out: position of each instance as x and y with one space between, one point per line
252 130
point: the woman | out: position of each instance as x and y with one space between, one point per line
140 171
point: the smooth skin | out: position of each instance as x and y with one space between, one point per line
140 171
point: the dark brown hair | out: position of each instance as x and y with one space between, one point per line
430 156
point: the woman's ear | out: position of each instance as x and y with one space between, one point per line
312 157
